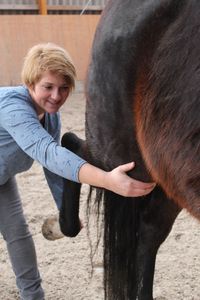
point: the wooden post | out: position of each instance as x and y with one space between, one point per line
42 7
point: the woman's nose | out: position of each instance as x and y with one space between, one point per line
55 95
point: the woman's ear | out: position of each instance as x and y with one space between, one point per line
31 87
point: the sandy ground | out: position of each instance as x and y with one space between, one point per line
65 264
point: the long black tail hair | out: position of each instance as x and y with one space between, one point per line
120 233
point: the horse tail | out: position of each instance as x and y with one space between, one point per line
120 220
120 248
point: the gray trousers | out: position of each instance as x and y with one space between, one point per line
19 242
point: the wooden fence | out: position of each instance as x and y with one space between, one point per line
51 6
19 33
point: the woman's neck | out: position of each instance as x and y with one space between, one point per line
41 116
42 119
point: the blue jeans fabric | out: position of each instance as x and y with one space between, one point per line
19 242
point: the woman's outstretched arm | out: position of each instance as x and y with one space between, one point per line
116 180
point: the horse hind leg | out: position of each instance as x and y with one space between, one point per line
69 221
156 219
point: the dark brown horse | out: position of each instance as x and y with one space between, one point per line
143 105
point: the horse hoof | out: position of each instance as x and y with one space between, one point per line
51 229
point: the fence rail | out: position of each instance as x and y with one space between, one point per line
51 6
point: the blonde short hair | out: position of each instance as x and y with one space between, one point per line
47 57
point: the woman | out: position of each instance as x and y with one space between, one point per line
30 130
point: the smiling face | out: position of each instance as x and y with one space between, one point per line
49 93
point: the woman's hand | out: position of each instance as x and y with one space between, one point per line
119 182
116 180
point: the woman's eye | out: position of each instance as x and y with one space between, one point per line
64 88
48 87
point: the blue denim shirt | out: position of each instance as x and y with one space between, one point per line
23 139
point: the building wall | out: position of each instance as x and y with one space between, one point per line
20 32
